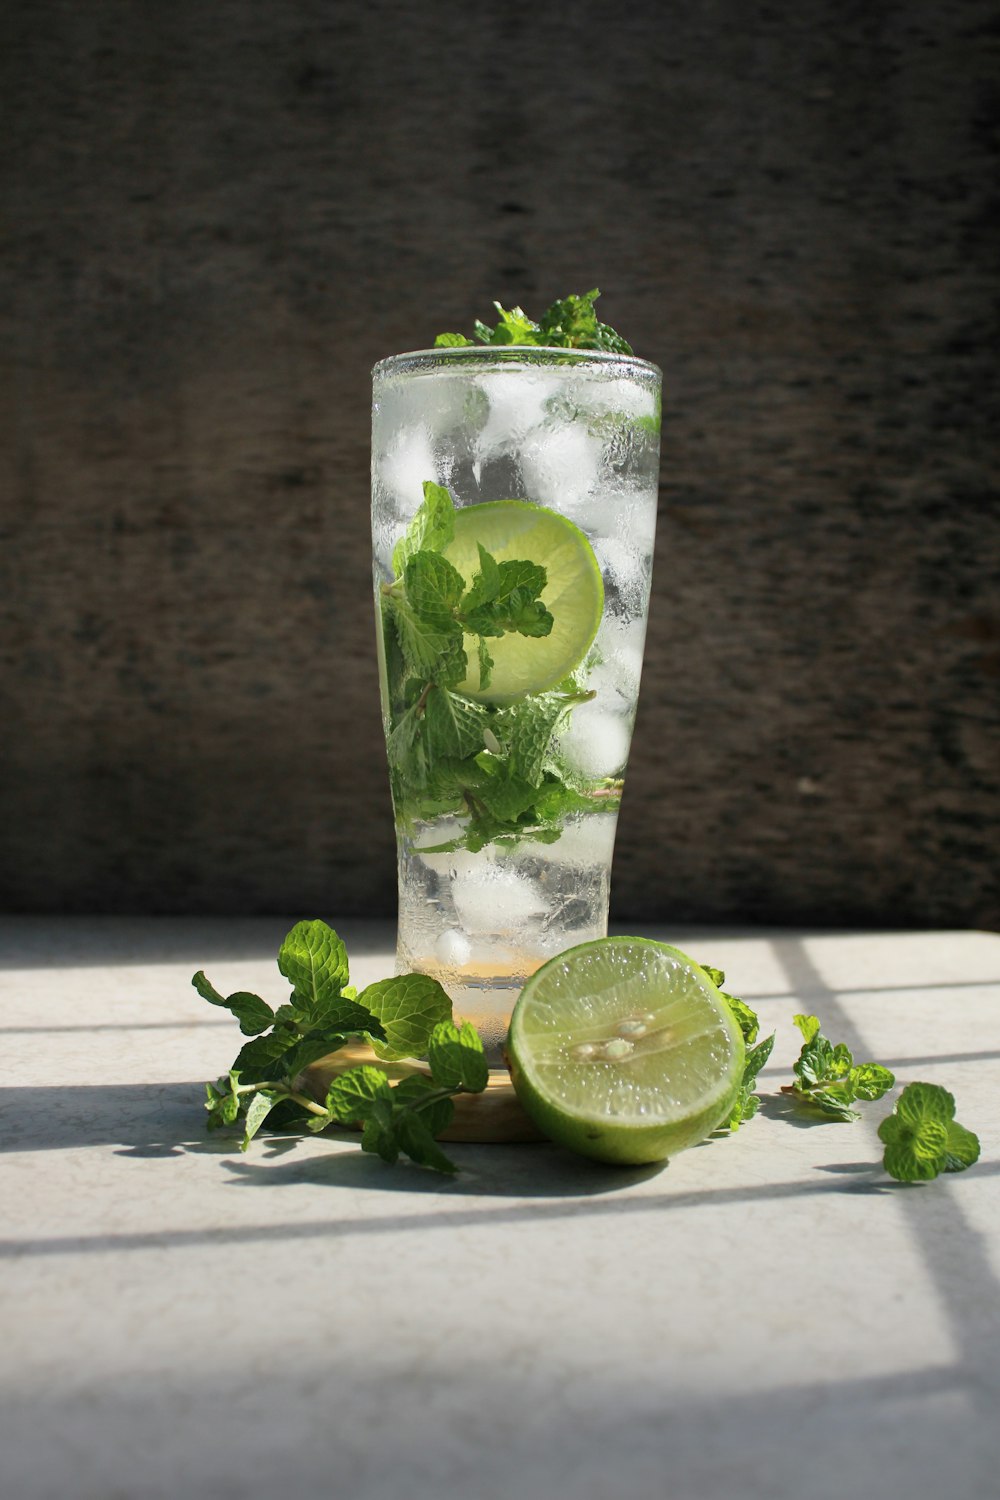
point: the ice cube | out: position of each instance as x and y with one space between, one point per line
595 743
453 948
615 398
407 462
588 839
561 466
626 572
489 898
616 675
516 405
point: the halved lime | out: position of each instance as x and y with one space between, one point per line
574 594
624 1050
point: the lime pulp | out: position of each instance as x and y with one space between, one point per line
623 1050
573 593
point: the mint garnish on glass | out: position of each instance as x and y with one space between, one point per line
570 323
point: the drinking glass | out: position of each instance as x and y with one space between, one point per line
507 776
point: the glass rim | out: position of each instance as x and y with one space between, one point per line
528 354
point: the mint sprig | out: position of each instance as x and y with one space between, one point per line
922 1137
490 765
405 1119
407 1016
570 323
747 1101
828 1079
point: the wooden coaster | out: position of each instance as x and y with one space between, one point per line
494 1116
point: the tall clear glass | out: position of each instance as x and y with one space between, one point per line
509 694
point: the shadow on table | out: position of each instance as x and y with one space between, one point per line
152 1121
26 942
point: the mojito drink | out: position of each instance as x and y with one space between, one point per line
514 507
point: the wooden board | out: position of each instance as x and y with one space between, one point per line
494 1116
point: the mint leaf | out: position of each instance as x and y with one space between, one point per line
506 797
379 1133
222 1100
925 1101
419 1093
330 1013
961 1147
431 642
307 1051
258 1109
433 586
922 1137
453 725
452 341
745 1018
486 665
570 323
513 327
408 1007
351 1096
828 1079
314 960
420 1146
513 602
431 529
747 1102
870 1081
257 1060
527 730
808 1025
253 1013
485 584
456 1057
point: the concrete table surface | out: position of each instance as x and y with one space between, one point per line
767 1315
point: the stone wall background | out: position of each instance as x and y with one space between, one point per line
217 217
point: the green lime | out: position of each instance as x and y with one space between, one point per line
624 1050
573 593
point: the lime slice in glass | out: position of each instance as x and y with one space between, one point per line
624 1050
573 593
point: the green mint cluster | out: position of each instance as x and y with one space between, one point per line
922 1137
491 765
408 1016
570 323
827 1077
747 1102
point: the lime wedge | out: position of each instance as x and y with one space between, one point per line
574 594
624 1050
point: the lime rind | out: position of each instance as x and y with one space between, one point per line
574 594
628 1103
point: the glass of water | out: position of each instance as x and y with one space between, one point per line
513 513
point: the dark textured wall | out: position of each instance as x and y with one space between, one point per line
218 216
